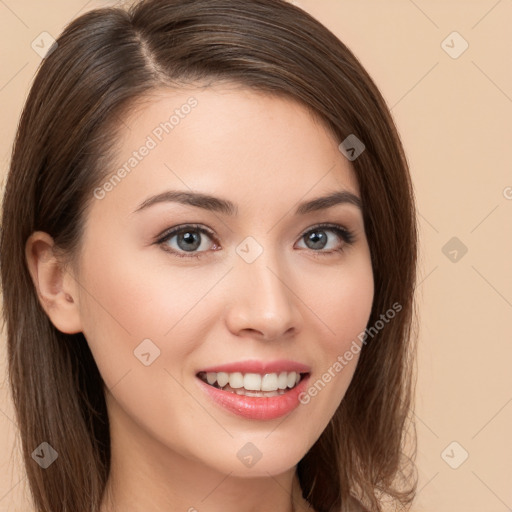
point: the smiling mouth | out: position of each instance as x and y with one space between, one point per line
253 384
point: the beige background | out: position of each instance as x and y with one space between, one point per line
455 119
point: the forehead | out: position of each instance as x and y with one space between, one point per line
229 140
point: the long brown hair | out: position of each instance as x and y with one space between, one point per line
105 61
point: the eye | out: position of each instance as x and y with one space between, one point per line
317 239
189 239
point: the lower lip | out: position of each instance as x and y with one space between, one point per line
257 407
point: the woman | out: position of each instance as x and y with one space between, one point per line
208 262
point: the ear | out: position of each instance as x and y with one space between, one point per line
56 287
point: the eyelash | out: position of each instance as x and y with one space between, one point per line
346 235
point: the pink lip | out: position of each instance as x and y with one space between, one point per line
261 367
257 408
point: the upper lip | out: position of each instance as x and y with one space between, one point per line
261 367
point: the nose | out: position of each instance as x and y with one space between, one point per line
263 300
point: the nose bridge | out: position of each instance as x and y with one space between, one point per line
263 299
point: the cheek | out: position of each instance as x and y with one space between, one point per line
124 301
136 320
144 300
343 303
344 307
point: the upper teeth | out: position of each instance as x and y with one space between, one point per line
254 381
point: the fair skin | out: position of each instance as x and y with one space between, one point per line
174 448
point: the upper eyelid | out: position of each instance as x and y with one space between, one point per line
183 227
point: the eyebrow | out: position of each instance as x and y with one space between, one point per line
224 206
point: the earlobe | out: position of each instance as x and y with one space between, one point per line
56 288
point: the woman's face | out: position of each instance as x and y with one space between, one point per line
255 286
